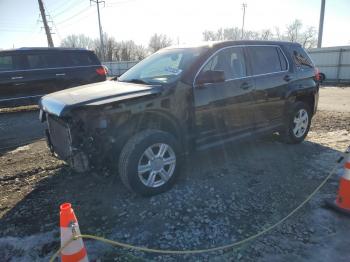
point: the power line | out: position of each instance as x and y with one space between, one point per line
13 25
57 5
30 35
9 24
66 9
74 15
119 2
78 18
15 30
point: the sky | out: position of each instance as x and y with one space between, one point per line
182 20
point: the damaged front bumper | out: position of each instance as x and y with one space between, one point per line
59 141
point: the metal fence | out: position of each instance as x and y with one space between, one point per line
119 68
334 62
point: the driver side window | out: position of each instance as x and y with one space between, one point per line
230 61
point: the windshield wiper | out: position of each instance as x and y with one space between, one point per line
136 81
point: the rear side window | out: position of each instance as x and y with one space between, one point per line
81 59
37 61
283 60
6 62
266 59
301 59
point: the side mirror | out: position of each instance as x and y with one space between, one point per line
211 77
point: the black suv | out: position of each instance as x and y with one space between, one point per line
179 99
26 74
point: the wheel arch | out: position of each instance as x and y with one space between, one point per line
152 119
307 97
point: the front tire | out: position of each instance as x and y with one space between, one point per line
297 123
149 161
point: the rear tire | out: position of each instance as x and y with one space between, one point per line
297 124
149 162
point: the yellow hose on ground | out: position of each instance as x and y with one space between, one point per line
206 250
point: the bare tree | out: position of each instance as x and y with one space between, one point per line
250 35
233 33
109 48
222 34
266 34
140 53
308 38
113 50
129 51
209 35
159 41
293 31
78 41
277 34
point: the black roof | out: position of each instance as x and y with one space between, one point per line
253 42
220 44
25 49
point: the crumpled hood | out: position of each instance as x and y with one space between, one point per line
94 94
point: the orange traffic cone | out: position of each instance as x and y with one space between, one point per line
342 202
75 251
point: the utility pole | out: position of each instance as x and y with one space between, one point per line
320 26
244 7
98 2
46 26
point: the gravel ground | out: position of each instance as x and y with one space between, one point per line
224 195
335 99
19 127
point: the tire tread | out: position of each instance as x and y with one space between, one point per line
127 151
286 132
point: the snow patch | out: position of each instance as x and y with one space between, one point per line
26 248
20 149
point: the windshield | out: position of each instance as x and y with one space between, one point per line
165 66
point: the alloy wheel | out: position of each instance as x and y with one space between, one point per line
301 122
156 165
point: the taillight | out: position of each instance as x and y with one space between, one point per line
317 74
102 71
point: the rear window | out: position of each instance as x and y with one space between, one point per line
266 59
81 59
6 62
301 59
42 60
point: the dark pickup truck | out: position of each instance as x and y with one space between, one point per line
180 99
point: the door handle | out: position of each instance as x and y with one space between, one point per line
287 78
245 86
16 77
61 74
